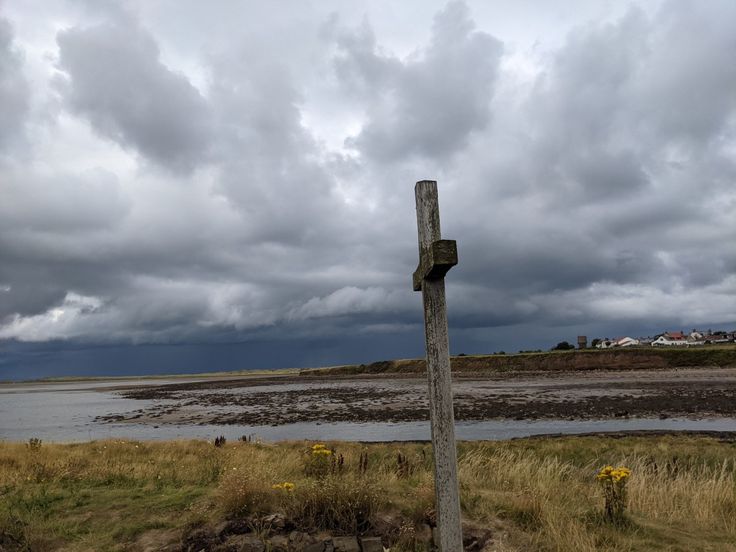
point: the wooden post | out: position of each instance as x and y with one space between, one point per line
436 257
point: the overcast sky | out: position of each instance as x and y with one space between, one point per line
219 185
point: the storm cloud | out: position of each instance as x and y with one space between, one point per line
199 180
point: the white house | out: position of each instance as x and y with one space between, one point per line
626 342
670 339
605 344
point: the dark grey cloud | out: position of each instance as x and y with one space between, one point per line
115 78
589 182
609 180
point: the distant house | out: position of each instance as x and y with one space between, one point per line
717 338
626 342
670 339
605 344
617 342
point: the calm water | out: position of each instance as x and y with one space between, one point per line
66 412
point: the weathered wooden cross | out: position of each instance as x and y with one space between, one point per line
436 257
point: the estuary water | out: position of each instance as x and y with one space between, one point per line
67 412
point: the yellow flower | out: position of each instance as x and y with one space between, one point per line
609 473
318 446
286 486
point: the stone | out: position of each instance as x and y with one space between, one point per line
275 521
371 544
279 543
251 543
233 527
233 543
314 547
387 524
298 540
475 537
345 544
198 537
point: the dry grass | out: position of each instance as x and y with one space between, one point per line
536 494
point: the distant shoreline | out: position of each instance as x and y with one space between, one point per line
631 358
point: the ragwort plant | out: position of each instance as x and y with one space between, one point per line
613 483
319 461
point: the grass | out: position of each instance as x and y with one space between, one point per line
630 358
534 494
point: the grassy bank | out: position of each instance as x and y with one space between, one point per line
634 358
534 494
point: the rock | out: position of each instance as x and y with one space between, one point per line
345 544
314 547
371 544
475 537
279 543
234 543
233 527
299 540
198 537
251 543
275 521
387 524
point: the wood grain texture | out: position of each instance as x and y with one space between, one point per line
438 372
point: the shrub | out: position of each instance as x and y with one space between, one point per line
335 503
319 461
242 494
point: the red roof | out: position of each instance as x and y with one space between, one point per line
674 335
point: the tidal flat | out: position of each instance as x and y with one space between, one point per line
384 407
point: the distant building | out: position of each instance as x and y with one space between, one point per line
626 342
720 337
670 339
605 344
582 342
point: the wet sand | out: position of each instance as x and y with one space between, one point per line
277 400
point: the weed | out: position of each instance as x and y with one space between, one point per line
363 463
335 503
404 467
319 461
613 482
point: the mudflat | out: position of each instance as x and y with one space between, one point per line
574 395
